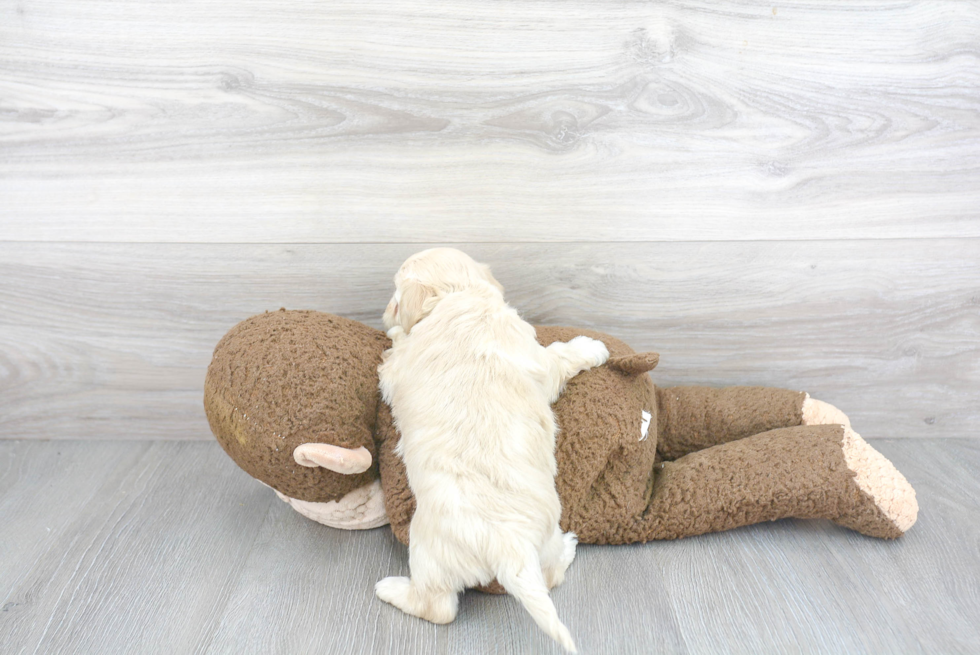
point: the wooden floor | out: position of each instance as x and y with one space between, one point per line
167 547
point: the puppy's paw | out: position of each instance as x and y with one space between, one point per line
431 605
396 333
394 590
592 350
570 541
555 575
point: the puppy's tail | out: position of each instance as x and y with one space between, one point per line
525 582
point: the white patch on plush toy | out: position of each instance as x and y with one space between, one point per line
645 427
361 509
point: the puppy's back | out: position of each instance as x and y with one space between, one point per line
468 397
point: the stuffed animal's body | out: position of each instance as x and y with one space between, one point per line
293 398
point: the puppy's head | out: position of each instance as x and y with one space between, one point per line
426 277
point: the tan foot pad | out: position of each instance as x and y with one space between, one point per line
884 503
817 412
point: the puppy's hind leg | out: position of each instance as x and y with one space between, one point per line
556 556
425 595
437 606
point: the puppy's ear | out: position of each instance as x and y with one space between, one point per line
488 276
416 302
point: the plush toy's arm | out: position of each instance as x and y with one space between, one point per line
399 501
693 418
605 458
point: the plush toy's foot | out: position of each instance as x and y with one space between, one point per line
882 502
817 412
434 606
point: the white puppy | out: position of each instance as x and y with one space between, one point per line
470 389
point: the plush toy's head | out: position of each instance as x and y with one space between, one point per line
282 379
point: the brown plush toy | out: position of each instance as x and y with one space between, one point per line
292 396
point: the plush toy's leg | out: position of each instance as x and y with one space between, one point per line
822 471
692 418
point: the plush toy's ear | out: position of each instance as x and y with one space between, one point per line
417 300
635 363
334 458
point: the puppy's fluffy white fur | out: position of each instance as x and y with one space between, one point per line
471 390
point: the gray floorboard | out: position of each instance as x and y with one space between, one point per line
167 547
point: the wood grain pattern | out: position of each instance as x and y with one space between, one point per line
119 547
122 547
112 340
260 121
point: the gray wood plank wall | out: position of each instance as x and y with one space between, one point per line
784 195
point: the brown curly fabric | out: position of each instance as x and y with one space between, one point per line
797 472
604 468
281 379
694 418
399 501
